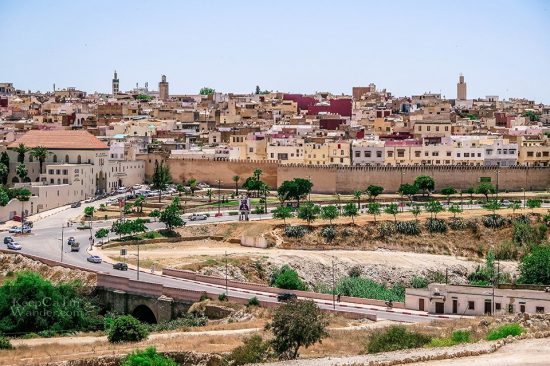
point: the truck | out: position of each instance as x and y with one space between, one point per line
75 246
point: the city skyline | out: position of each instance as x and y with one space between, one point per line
305 47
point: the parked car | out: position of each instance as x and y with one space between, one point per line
197 217
203 185
120 266
75 205
121 190
136 186
18 230
71 240
286 296
94 259
14 246
8 239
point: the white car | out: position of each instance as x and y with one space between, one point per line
94 259
121 190
14 246
203 185
197 217
136 186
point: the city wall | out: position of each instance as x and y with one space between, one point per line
347 179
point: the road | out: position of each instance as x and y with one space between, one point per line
45 241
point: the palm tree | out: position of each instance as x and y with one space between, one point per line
236 179
257 173
21 150
357 194
40 153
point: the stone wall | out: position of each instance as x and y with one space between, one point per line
347 179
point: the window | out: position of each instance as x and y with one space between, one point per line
417 154
471 305
367 154
428 128
358 154
530 154
466 155
66 158
55 158
50 171
379 154
479 155
449 153
498 307
435 153
390 154
401 153
539 309
458 155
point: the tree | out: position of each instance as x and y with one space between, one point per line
448 191
138 203
254 350
374 191
147 357
126 328
470 191
288 279
425 183
296 324
209 194
434 207
392 209
89 211
4 172
535 266
357 195
515 205
192 183
533 117
207 91
485 189
351 210
416 210
154 213
329 212
170 216
4 197
308 212
102 233
21 150
533 203
493 206
180 188
455 209
21 172
236 179
40 153
373 209
161 177
297 189
282 213
408 190
5 160
257 89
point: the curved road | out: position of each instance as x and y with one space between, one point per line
45 241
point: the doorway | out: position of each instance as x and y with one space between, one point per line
439 307
455 306
488 307
421 304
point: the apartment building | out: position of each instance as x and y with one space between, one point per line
316 153
339 152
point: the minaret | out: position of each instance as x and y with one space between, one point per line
115 84
461 88
163 88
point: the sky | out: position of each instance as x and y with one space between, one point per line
302 46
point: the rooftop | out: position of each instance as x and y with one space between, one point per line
61 140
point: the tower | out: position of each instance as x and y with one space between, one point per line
461 88
163 88
115 84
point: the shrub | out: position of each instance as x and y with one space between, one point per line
126 328
461 336
441 342
295 231
436 225
524 219
355 271
527 235
253 301
253 350
187 321
287 278
233 213
493 221
534 267
473 226
223 297
151 235
506 250
149 357
386 229
407 227
504 331
5 343
258 210
369 289
419 282
457 223
394 338
329 233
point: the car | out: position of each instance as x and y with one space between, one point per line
197 217
121 190
14 246
94 259
71 240
120 266
8 239
75 205
18 230
286 296
136 186
203 185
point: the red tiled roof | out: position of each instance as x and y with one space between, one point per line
61 140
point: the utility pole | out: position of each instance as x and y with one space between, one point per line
333 287
498 173
138 261
62 227
219 197
226 287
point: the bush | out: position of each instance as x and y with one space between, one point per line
506 250
457 223
233 213
527 235
295 231
534 267
253 350
151 235
523 219
504 331
329 233
473 226
394 338
288 279
419 282
148 357
253 301
436 225
5 343
223 297
369 289
386 229
187 321
493 221
355 271
461 336
126 328
407 227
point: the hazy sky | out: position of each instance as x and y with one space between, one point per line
408 47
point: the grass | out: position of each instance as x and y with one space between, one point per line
396 337
504 331
457 337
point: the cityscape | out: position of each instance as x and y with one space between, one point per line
378 223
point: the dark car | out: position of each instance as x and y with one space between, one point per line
71 240
120 266
8 239
75 205
285 297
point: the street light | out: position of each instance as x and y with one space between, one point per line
523 189
62 229
498 173
226 280
219 198
333 287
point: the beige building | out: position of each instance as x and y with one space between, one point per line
534 150
339 153
316 153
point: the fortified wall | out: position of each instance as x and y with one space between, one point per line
347 179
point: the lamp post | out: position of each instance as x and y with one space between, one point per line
138 260
62 228
226 287
523 189
309 194
219 197
498 173
333 287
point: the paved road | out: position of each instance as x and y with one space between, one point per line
45 241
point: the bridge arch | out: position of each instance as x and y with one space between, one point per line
144 314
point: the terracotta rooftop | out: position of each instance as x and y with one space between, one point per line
61 140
